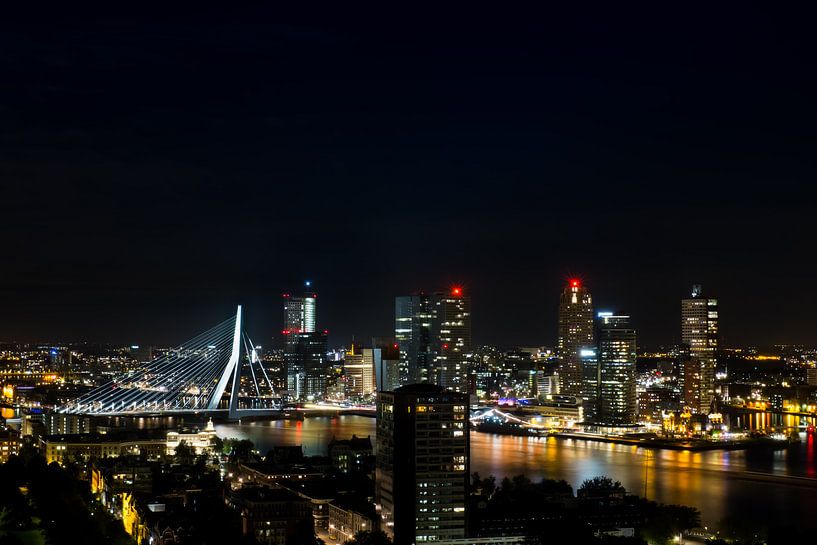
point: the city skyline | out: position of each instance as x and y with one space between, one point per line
532 274
271 325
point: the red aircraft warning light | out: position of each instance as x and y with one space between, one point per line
456 290
575 283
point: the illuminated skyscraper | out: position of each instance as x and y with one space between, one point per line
590 384
300 313
617 403
699 332
413 316
575 333
304 347
359 369
433 333
452 328
422 468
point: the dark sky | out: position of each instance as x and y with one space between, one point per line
158 168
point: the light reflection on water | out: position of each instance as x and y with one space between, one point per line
716 482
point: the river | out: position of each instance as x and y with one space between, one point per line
745 485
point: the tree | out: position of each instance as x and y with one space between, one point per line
664 522
601 484
242 449
370 538
218 444
184 451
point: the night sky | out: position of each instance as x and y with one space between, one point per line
157 169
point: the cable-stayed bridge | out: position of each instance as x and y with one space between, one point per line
193 377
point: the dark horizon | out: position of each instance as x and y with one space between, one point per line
158 171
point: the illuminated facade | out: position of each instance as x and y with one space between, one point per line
453 339
304 347
9 444
699 332
616 360
88 446
575 333
200 441
358 367
422 469
345 521
413 315
590 384
433 334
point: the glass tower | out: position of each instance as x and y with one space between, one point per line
617 373
699 333
575 333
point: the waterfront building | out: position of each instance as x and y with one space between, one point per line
699 333
566 408
547 383
575 332
616 361
422 468
350 455
67 424
654 402
304 347
359 370
88 446
591 384
201 441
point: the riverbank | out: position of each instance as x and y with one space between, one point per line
694 445
658 443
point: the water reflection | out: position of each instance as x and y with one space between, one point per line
759 485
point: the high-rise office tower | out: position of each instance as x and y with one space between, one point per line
300 312
616 356
304 347
413 315
452 321
699 333
433 333
591 381
575 333
359 369
422 468
386 363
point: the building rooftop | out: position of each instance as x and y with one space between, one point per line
355 443
420 388
263 493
